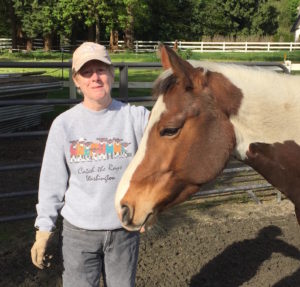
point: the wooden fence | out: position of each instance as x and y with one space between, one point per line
151 46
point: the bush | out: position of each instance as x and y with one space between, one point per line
186 54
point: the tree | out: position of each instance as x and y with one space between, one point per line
105 13
38 20
8 21
90 10
265 21
24 11
216 22
198 19
69 15
287 16
133 15
44 21
240 18
169 20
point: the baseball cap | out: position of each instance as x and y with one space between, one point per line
88 51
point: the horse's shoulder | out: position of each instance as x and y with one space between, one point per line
279 163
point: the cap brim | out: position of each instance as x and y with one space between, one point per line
80 63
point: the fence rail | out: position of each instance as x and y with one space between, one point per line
236 178
240 46
199 46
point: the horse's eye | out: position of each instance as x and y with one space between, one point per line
169 132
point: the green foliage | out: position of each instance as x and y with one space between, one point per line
67 13
265 21
169 20
241 18
4 18
292 10
287 17
24 10
37 17
198 18
185 54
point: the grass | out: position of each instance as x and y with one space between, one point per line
138 74
152 57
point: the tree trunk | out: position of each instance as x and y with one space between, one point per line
29 45
91 33
21 41
47 42
74 36
113 40
97 29
13 25
129 35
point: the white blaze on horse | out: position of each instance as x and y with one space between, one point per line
202 116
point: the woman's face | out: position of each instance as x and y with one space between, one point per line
94 80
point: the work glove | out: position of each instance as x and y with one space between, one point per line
38 249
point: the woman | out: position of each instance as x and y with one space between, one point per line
78 181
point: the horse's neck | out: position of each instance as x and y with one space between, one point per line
269 112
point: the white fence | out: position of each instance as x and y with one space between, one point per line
151 46
5 43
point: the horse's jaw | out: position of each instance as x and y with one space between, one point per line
150 220
137 214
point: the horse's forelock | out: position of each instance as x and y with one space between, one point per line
163 84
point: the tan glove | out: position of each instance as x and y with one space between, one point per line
39 248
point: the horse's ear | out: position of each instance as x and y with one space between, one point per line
181 68
164 58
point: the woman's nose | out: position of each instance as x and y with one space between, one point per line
95 76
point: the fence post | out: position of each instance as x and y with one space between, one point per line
136 46
246 46
123 82
224 48
72 88
201 46
268 46
291 46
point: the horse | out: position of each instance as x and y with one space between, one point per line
204 114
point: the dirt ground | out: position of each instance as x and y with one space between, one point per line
224 244
204 242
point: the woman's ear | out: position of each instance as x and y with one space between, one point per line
112 73
75 81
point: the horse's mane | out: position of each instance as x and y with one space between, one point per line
251 79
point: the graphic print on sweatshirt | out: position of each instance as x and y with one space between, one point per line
102 160
101 149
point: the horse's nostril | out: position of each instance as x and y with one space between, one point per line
126 214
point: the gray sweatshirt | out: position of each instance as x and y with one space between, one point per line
85 156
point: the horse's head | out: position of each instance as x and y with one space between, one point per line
187 142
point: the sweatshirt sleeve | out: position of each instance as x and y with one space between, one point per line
140 119
53 179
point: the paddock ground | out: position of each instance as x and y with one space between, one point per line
216 242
